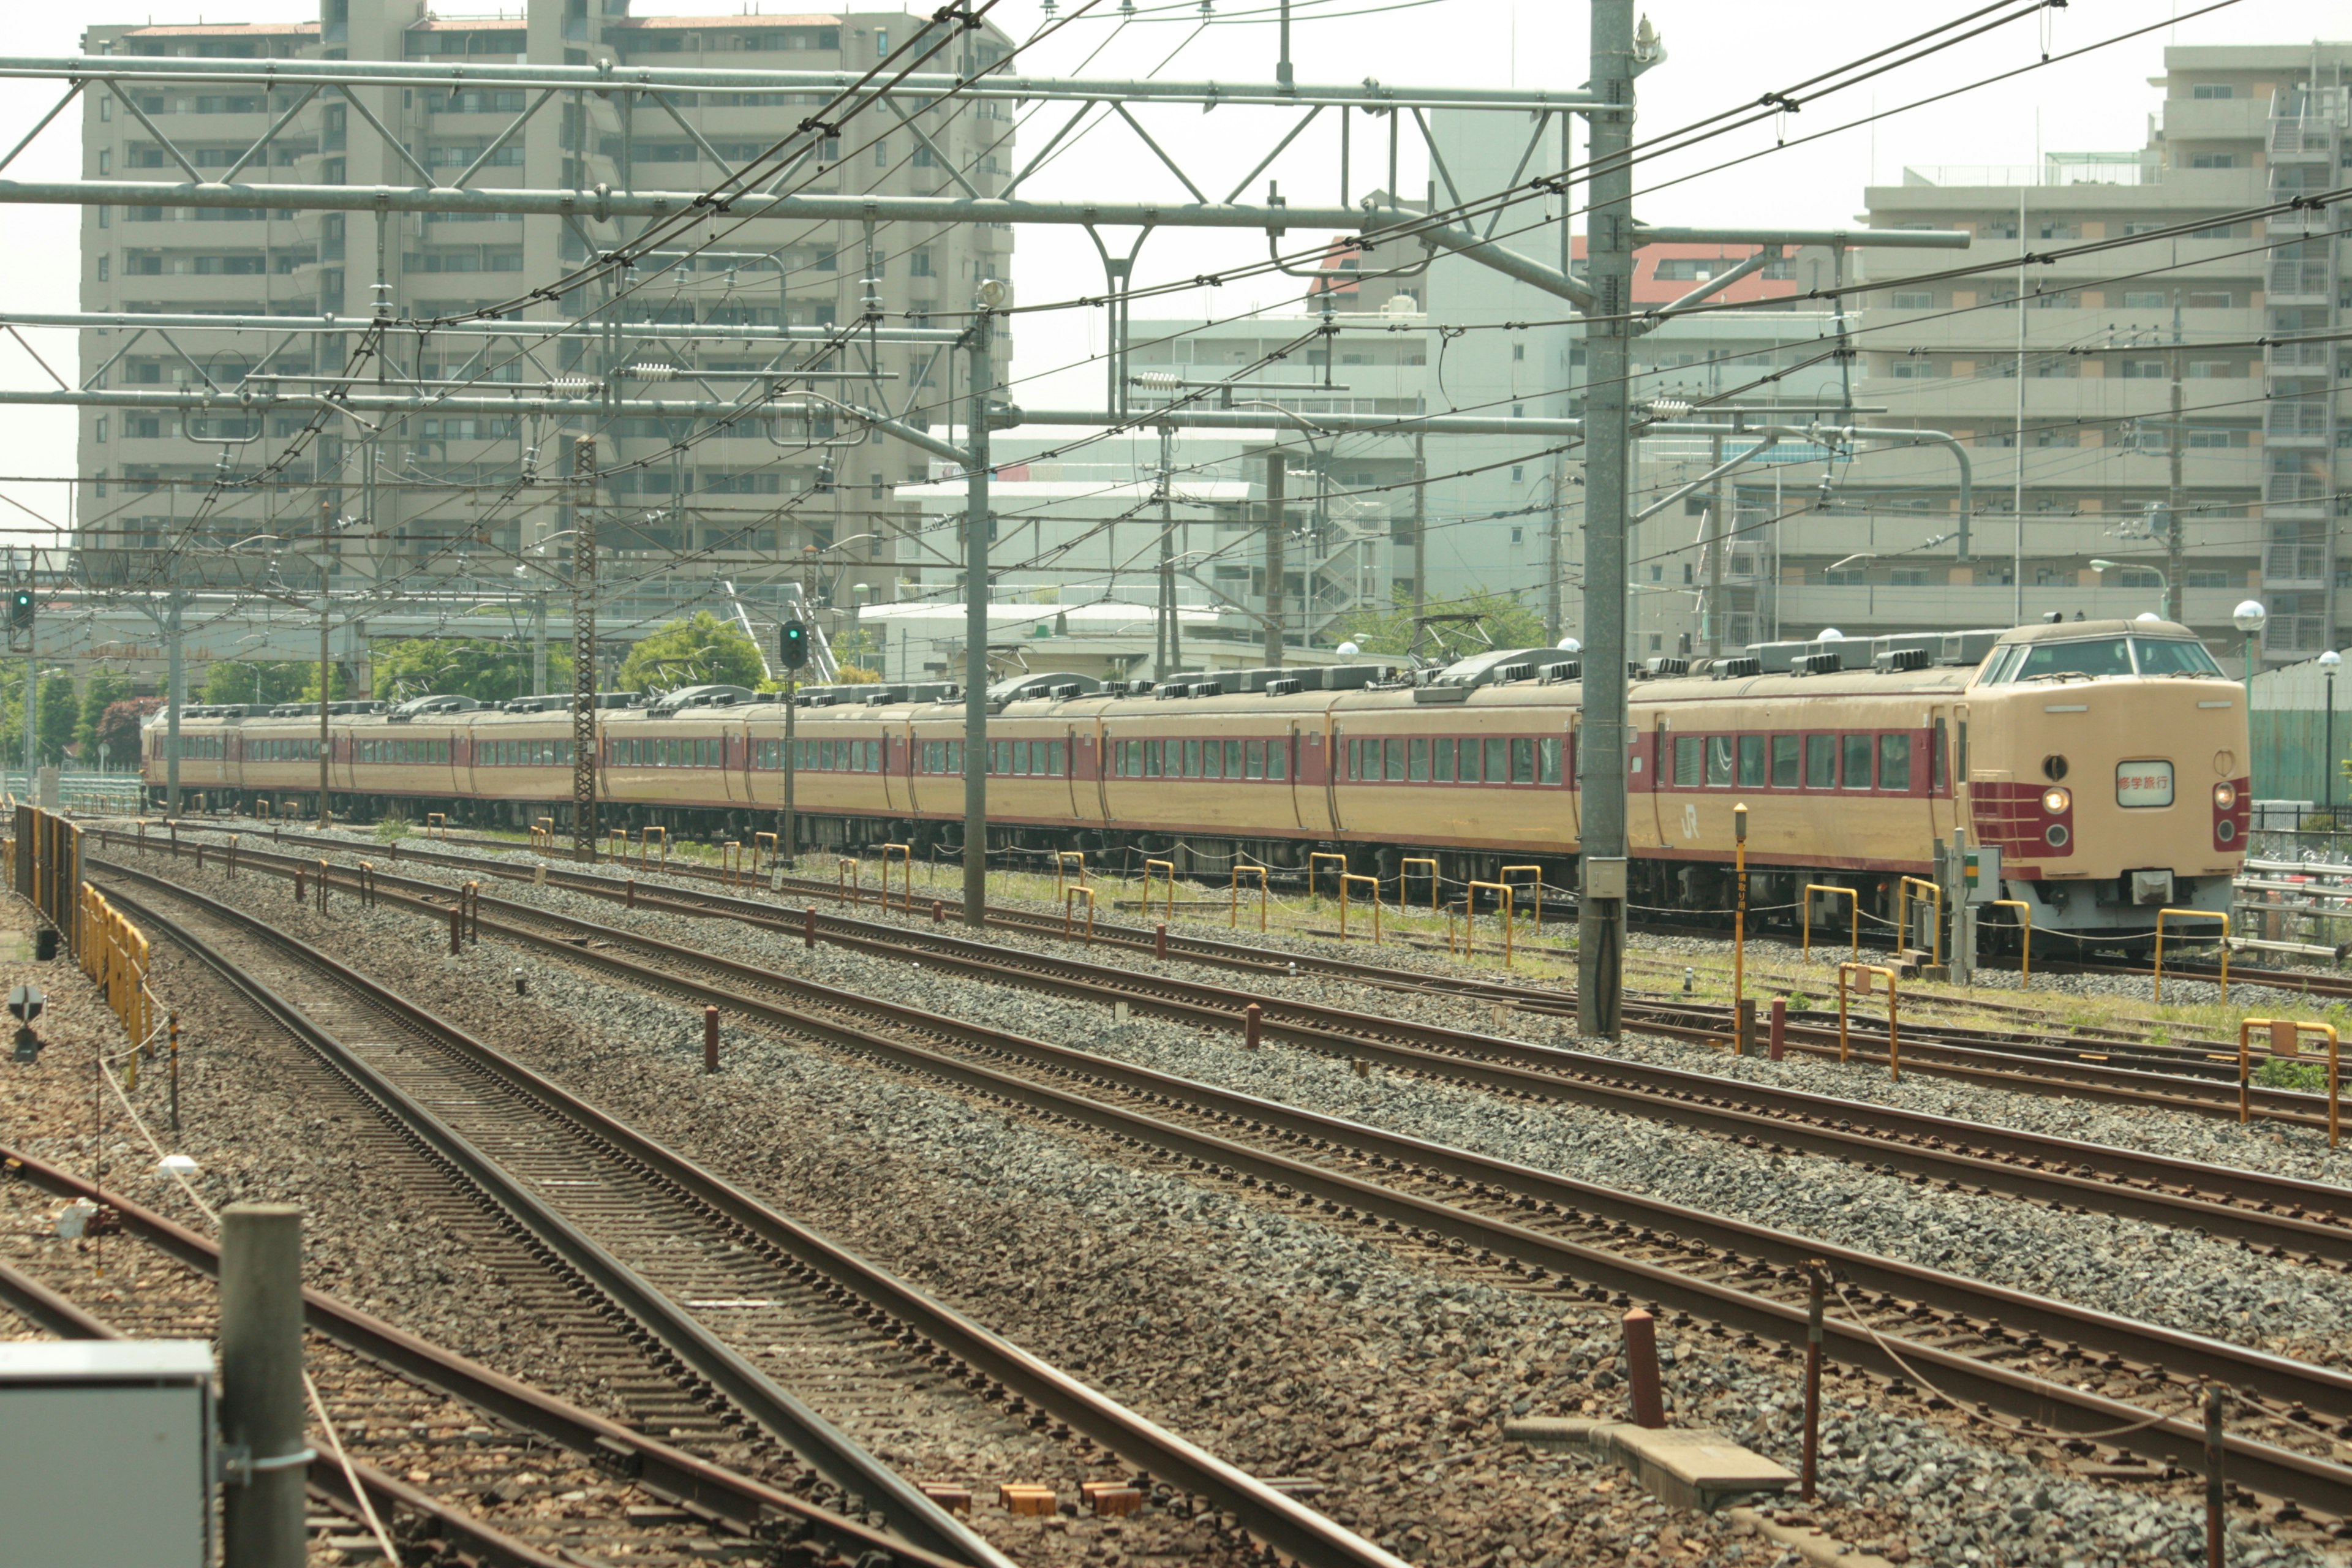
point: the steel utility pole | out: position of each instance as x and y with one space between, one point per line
1719 539
2175 497
583 651
1165 645
1276 568
1600 755
975 615
175 674
1420 534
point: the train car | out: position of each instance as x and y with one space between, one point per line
2104 761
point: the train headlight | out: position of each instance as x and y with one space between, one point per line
2224 796
2056 801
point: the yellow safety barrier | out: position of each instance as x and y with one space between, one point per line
1404 875
1502 891
1062 858
905 858
543 835
1233 913
437 825
1070 896
1894 1034
2291 1031
845 881
114 955
1903 914
1537 871
731 862
763 849
617 844
1316 857
2194 915
1854 898
1348 880
645 842
1168 869
2025 924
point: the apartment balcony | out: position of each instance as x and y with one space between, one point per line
2296 424
2297 359
1875 608
2303 142
2216 119
2300 283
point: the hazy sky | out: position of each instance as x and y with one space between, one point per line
1721 54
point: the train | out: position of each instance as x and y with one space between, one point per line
2100 768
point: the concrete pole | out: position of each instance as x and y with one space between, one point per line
2176 495
583 651
32 714
326 670
1555 565
1601 749
975 631
538 644
1718 543
261 1383
175 678
1276 567
1164 644
1420 536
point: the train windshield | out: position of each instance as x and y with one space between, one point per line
2093 658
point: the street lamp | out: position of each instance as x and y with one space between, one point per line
2163 583
2328 663
2250 618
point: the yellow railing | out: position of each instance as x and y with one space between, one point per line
437 825
2194 915
763 851
2290 1030
1502 891
1348 880
1233 910
114 955
845 881
1536 872
543 835
1167 869
1903 915
1070 896
2025 925
617 844
906 859
1806 905
1404 876
646 839
732 866
1894 1033
1062 859
1315 858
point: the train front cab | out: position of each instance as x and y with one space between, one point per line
2107 761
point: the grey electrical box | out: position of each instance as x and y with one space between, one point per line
1604 879
106 1453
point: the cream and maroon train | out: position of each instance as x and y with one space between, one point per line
2106 761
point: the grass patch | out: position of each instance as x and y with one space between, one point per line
2309 1077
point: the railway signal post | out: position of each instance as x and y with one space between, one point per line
583 652
976 609
791 652
1600 753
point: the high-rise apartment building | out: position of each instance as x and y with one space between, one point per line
683 503
2058 376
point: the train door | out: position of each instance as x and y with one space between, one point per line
1072 767
1336 737
1105 764
1573 779
914 771
1642 768
1942 795
894 794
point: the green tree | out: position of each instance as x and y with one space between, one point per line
60 714
488 669
262 681
338 677
100 692
703 651
1505 622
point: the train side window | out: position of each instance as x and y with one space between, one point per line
1894 763
1687 760
1057 759
1233 759
1396 761
1523 759
1935 758
1417 762
1212 759
1155 759
1253 763
1444 765
1277 758
1497 761
1548 759
1857 761
1469 762
1718 761
1784 761
1752 761
1191 759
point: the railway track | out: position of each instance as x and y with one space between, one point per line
2192 1076
677 1246
2290 1217
448 1450
2074 1376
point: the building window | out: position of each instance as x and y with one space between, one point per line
105 161
2212 160
1913 300
2142 370
2213 90
105 268
1518 351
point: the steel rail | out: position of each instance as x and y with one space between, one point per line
2316 1483
912 1516
1983 1056
1282 1522
658 1467
39 1304
2316 1218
